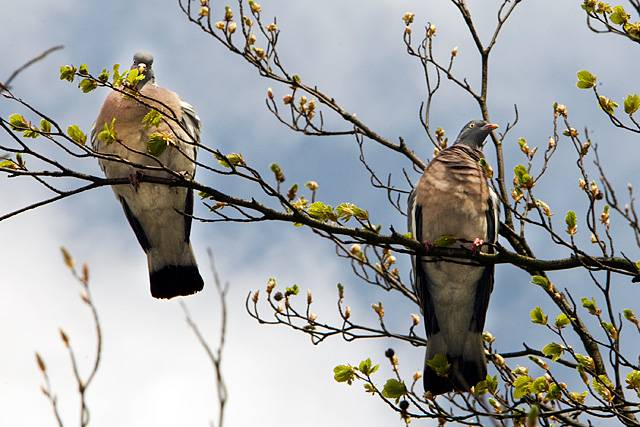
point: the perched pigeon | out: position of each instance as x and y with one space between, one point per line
454 198
158 214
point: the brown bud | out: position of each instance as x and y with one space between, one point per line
64 338
40 362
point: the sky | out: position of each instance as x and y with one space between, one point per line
153 371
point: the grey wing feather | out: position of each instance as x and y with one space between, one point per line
485 284
191 123
421 283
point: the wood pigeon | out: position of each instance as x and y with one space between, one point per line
453 197
155 212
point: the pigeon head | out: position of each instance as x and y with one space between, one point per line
474 133
142 61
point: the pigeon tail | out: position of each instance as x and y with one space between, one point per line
174 272
175 280
465 370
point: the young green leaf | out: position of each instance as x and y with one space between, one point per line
607 104
571 220
522 385
277 172
292 290
158 142
541 281
586 80
67 72
104 76
394 389
45 126
553 350
229 160
562 320
619 16
590 305
108 132
585 361
18 122
344 374
538 316
321 212
152 118
76 134
367 367
631 103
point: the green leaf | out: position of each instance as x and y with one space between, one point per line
104 76
87 85
555 392
394 389
292 290
152 118
570 219
633 380
540 281
553 350
585 361
586 80
347 210
369 388
590 305
45 126
344 374
440 364
538 316
8 164
619 16
158 142
18 122
603 386
67 72
277 172
522 385
134 76
367 368
610 329
117 77
108 132
488 385
321 212
293 191
631 103
562 320
229 160
608 105
296 80
76 134
444 241
629 315
522 177
83 70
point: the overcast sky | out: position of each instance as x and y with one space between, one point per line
153 371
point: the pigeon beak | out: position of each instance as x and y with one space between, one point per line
490 126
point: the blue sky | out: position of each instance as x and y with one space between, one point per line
153 371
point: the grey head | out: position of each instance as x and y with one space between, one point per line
474 133
143 61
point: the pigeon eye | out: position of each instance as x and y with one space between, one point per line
472 125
